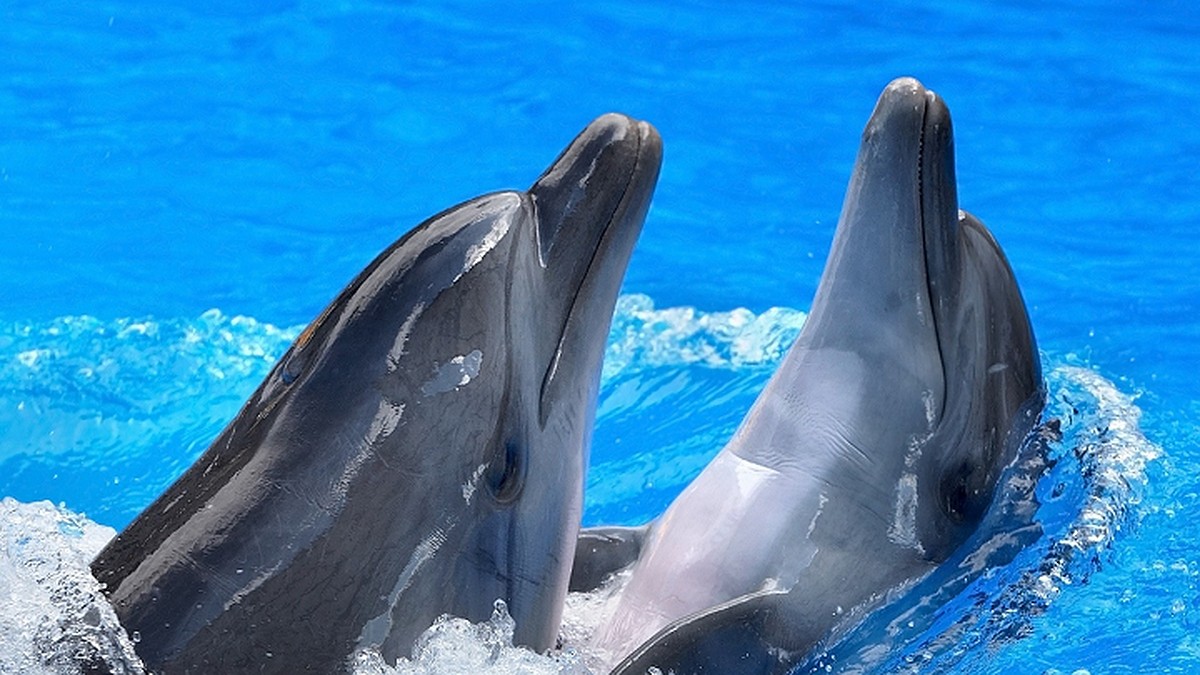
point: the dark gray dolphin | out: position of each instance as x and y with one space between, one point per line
419 450
872 453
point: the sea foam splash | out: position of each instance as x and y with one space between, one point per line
53 617
134 401
643 336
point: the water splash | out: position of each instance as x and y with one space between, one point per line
458 647
55 618
89 404
642 336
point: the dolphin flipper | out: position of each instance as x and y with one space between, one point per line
735 637
602 551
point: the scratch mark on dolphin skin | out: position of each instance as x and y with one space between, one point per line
397 350
903 529
469 487
477 251
931 410
261 578
457 372
387 418
904 524
822 500
376 630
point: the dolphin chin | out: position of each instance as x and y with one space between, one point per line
874 450
418 451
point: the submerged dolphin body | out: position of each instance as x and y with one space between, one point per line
872 453
419 450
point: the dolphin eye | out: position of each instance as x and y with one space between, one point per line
506 474
956 493
963 497
956 501
293 366
297 358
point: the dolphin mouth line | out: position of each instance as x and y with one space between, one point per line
926 212
923 214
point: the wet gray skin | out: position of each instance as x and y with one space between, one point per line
873 451
419 450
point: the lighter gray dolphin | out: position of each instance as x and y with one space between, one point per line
419 450
873 451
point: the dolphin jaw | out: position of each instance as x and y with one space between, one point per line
569 175
936 201
615 234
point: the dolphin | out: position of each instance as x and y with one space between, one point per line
873 451
419 450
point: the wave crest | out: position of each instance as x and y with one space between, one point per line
643 336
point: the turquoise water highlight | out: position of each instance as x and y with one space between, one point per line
158 162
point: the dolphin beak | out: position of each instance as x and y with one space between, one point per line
911 128
897 239
602 181
590 205
906 111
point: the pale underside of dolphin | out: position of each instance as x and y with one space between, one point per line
419 450
872 453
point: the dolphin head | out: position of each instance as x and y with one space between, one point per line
479 339
419 449
922 295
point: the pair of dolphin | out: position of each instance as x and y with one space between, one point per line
421 448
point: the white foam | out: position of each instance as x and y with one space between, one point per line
454 374
643 336
458 647
1083 498
53 616
1113 454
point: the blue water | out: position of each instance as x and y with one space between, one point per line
160 161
